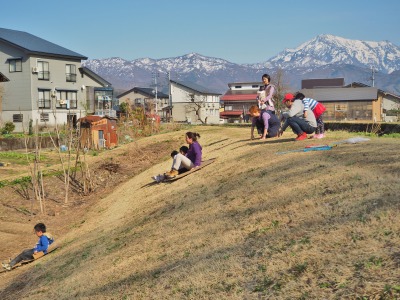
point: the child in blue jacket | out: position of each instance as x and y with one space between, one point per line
45 240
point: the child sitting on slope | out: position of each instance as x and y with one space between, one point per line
182 150
45 240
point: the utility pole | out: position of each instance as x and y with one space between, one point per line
155 74
373 76
169 94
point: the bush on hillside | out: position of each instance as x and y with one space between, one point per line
8 128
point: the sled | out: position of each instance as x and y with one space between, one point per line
203 164
36 256
308 149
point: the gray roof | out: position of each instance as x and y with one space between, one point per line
145 92
196 87
94 76
341 94
359 84
35 45
3 78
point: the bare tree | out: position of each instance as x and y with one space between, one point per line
35 167
282 87
57 147
195 106
1 102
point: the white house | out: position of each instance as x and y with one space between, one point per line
194 103
45 82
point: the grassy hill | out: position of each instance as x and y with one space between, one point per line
253 225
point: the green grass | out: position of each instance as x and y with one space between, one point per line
16 156
27 179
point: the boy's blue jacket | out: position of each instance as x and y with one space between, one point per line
43 244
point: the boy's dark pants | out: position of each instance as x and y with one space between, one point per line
24 255
272 131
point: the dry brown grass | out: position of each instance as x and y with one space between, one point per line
253 225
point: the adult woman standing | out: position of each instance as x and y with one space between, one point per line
192 159
266 101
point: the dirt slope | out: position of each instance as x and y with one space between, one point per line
253 225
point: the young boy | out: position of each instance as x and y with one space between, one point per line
45 239
182 150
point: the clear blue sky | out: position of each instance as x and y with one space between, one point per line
244 31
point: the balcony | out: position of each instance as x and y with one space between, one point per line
105 112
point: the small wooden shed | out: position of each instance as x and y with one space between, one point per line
98 132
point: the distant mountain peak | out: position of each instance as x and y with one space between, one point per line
326 49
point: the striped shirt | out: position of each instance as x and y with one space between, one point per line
309 103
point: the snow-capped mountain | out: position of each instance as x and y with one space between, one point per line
328 49
322 57
207 71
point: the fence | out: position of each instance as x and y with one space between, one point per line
7 144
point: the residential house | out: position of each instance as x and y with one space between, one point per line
238 99
193 103
147 98
389 104
99 94
46 81
322 83
354 102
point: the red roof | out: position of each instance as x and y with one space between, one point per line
90 119
239 97
231 113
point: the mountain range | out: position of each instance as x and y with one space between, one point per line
325 56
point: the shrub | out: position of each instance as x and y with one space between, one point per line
8 128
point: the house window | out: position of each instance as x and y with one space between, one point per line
15 65
18 118
70 72
67 99
360 110
255 86
43 70
238 86
44 99
44 117
228 107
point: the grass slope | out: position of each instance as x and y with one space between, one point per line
253 225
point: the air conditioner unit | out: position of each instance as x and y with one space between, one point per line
62 102
35 69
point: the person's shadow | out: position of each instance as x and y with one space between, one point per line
269 141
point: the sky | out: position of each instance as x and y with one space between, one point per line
245 31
